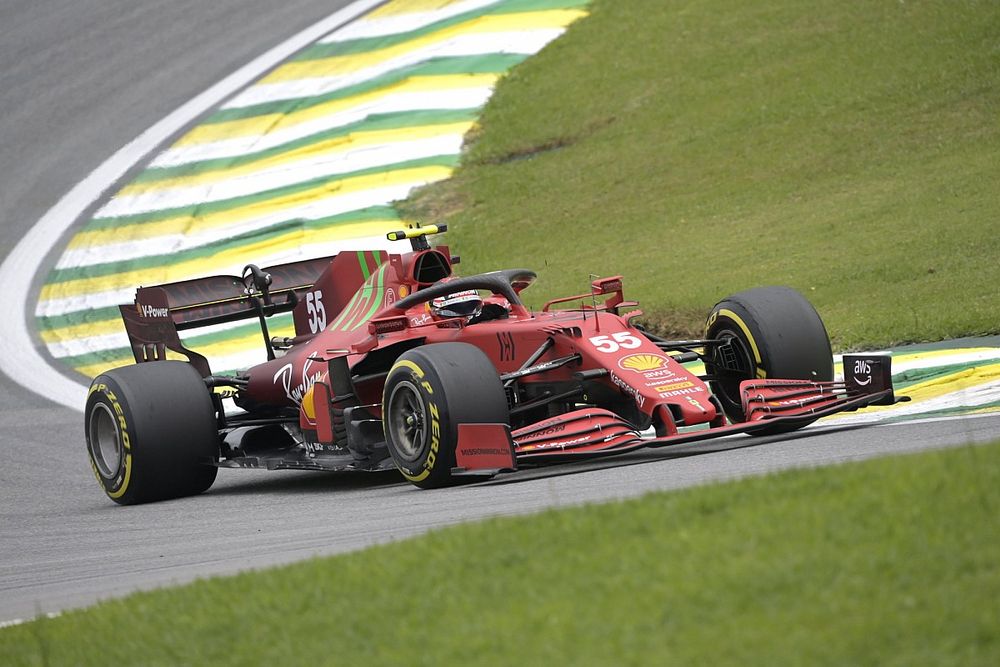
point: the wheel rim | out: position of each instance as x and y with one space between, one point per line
728 388
407 425
105 441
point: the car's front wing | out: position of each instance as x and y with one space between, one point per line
769 406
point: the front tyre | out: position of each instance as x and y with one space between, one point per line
770 332
429 391
151 432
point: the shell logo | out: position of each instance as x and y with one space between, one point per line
642 362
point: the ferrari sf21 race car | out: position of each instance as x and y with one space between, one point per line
395 362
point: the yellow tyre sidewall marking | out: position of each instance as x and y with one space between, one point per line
123 430
435 413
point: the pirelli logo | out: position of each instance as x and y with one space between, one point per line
674 386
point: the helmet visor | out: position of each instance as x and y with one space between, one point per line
460 304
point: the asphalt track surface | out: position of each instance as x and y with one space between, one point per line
80 78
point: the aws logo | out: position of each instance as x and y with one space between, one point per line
640 363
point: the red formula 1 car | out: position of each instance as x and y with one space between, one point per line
396 363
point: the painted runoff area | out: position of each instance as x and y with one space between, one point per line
18 357
357 111
303 163
940 379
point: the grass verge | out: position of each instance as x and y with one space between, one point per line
847 148
890 561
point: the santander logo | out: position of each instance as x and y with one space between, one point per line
295 394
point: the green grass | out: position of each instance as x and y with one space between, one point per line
888 562
847 148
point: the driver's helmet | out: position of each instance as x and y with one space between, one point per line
466 303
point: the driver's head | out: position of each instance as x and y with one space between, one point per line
466 303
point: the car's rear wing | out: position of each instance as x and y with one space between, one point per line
160 311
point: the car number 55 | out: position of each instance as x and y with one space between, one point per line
317 313
614 342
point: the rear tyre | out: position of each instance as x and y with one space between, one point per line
773 332
429 391
151 432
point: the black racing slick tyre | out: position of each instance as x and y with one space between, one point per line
429 391
771 332
151 432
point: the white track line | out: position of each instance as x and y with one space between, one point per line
20 359
19 621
